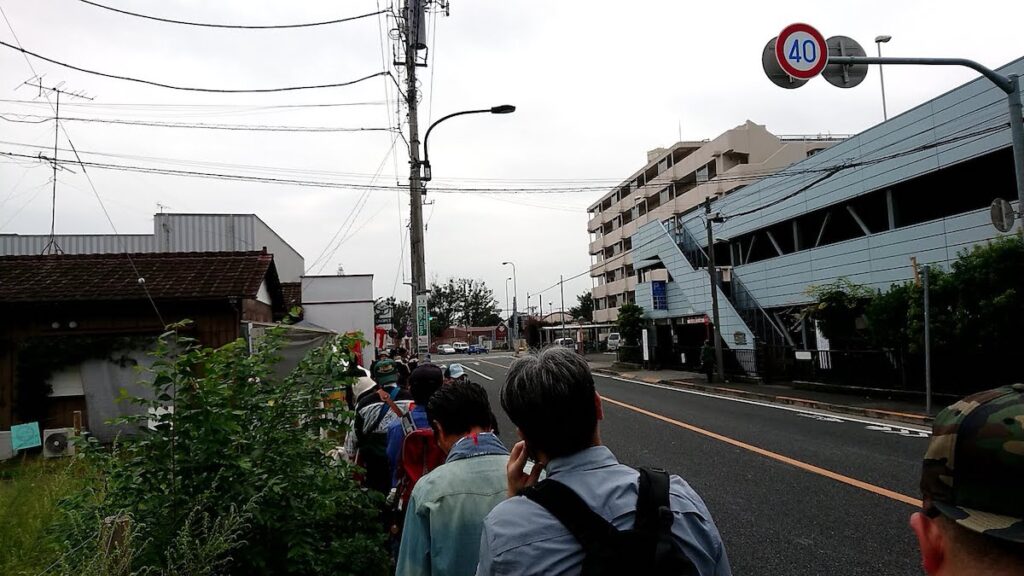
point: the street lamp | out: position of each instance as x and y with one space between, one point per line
503 109
515 292
879 40
507 309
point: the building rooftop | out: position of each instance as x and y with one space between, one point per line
112 277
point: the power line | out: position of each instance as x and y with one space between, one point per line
196 125
211 106
230 26
191 88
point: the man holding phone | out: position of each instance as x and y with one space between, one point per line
551 399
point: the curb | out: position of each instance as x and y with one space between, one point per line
878 413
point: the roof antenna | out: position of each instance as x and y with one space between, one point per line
51 245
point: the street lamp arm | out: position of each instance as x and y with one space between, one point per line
503 109
998 79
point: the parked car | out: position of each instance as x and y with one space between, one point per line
566 342
477 349
613 342
460 347
446 349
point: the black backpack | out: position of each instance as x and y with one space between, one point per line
647 549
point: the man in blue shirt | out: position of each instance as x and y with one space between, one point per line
447 508
423 382
551 399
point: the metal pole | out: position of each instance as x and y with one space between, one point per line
927 343
881 77
561 289
713 276
416 250
1017 133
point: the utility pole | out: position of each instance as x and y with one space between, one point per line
713 275
925 273
51 245
414 14
561 288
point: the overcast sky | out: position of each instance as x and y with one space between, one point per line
596 84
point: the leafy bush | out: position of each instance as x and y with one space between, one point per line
235 479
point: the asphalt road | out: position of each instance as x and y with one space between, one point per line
793 491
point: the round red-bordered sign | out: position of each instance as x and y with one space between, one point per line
801 51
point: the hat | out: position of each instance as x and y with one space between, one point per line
385 372
456 371
974 466
363 385
426 373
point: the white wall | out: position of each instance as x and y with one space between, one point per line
341 303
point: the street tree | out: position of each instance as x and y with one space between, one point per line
585 307
462 302
631 323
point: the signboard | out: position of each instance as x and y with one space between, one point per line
1002 215
803 355
740 338
658 294
500 332
25 436
647 352
801 51
422 322
703 319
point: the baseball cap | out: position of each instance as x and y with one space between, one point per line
424 381
385 372
456 371
974 465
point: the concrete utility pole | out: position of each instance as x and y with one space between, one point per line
414 13
713 275
925 273
561 289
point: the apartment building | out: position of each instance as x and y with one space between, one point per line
675 180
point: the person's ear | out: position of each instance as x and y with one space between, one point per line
439 433
598 409
931 541
519 433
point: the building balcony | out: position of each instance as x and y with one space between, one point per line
598 245
599 291
606 315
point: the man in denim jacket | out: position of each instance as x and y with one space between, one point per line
446 511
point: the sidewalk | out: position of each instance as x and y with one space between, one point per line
777 393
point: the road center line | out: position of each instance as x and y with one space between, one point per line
775 456
477 373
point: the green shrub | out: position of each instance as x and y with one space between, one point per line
236 479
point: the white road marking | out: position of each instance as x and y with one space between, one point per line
821 418
909 428
477 373
502 366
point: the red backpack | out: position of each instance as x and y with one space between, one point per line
420 454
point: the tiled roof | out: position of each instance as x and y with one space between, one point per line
106 277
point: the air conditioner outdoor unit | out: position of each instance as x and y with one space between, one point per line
57 442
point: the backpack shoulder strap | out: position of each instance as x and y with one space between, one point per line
654 519
567 507
653 511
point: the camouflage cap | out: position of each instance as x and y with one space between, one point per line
973 472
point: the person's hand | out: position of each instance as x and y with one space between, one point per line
517 477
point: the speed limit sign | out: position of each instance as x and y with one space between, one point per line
801 51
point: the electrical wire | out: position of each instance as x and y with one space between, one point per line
196 125
92 185
192 88
229 26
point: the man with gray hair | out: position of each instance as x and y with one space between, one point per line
591 513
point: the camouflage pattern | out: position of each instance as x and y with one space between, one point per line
973 470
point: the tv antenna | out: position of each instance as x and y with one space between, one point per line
51 245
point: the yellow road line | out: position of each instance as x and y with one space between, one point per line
775 456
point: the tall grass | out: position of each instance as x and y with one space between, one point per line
29 492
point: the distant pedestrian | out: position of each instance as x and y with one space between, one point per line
446 512
707 360
591 513
972 482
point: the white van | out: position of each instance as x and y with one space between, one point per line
613 341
